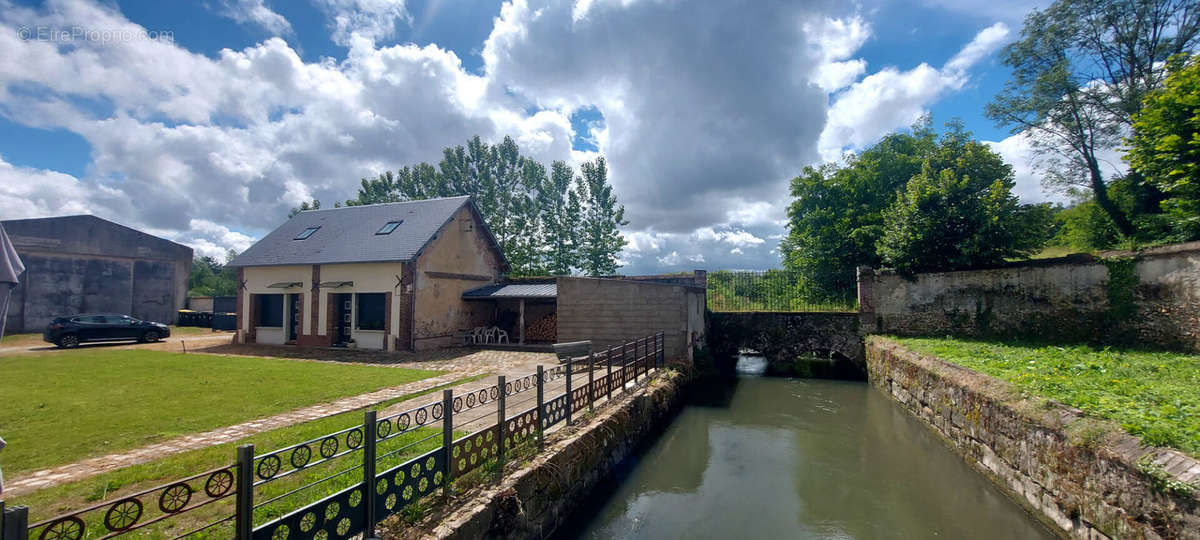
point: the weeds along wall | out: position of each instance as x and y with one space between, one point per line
1150 297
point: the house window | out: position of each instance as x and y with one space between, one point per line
306 233
270 310
389 227
371 311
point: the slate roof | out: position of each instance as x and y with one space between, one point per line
513 290
347 234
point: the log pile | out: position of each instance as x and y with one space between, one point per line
543 329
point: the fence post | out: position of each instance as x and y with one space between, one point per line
637 359
500 425
609 385
570 398
624 359
660 349
591 391
14 522
447 438
370 435
541 409
245 492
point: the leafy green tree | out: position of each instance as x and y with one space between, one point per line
836 215
956 217
601 221
1165 147
560 221
304 207
1079 75
212 278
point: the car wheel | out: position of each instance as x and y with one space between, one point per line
150 336
69 341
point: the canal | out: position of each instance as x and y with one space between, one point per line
763 457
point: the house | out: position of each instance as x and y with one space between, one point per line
385 276
80 264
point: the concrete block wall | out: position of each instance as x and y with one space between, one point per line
612 311
1067 297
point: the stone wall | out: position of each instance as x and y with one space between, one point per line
1039 452
534 501
783 338
1072 298
610 312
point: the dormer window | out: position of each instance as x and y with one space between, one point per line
389 227
306 233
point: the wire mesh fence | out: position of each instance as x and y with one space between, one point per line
768 290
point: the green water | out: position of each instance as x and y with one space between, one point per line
799 458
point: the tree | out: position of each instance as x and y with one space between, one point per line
1165 147
950 218
836 215
1079 75
211 278
560 221
304 207
601 221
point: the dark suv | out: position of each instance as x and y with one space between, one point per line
68 332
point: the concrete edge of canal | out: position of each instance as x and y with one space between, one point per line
1033 450
534 500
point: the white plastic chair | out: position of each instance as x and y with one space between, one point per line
489 334
478 336
500 335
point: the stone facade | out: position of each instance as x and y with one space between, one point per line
1073 298
1086 489
783 338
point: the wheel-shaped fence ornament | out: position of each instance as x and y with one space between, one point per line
383 428
458 403
281 533
403 422
300 456
470 401
422 416
174 498
268 467
218 483
68 528
329 446
436 411
494 392
123 514
354 438
483 395
508 388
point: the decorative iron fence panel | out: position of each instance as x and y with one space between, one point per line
429 459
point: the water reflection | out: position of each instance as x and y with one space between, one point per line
792 458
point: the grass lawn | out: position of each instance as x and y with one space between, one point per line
64 406
112 486
1154 395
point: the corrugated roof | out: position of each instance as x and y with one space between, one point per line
514 290
347 235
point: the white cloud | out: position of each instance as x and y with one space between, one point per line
891 99
370 20
255 12
670 259
1018 151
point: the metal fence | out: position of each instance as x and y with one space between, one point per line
768 290
375 469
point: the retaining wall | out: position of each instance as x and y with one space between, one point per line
537 499
1034 450
1074 297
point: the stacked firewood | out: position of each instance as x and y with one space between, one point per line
543 329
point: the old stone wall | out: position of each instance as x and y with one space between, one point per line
610 312
1148 297
1039 451
535 500
783 338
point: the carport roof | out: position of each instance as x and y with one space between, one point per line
512 290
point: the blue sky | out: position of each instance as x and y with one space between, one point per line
704 110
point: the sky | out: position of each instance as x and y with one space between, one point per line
205 122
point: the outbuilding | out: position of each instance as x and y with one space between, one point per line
82 264
384 276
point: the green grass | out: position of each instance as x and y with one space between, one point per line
69 405
1153 395
113 485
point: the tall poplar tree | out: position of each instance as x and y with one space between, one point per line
601 221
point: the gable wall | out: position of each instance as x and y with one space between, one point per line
439 309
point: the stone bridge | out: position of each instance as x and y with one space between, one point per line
788 340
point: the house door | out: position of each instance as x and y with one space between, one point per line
344 304
295 320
